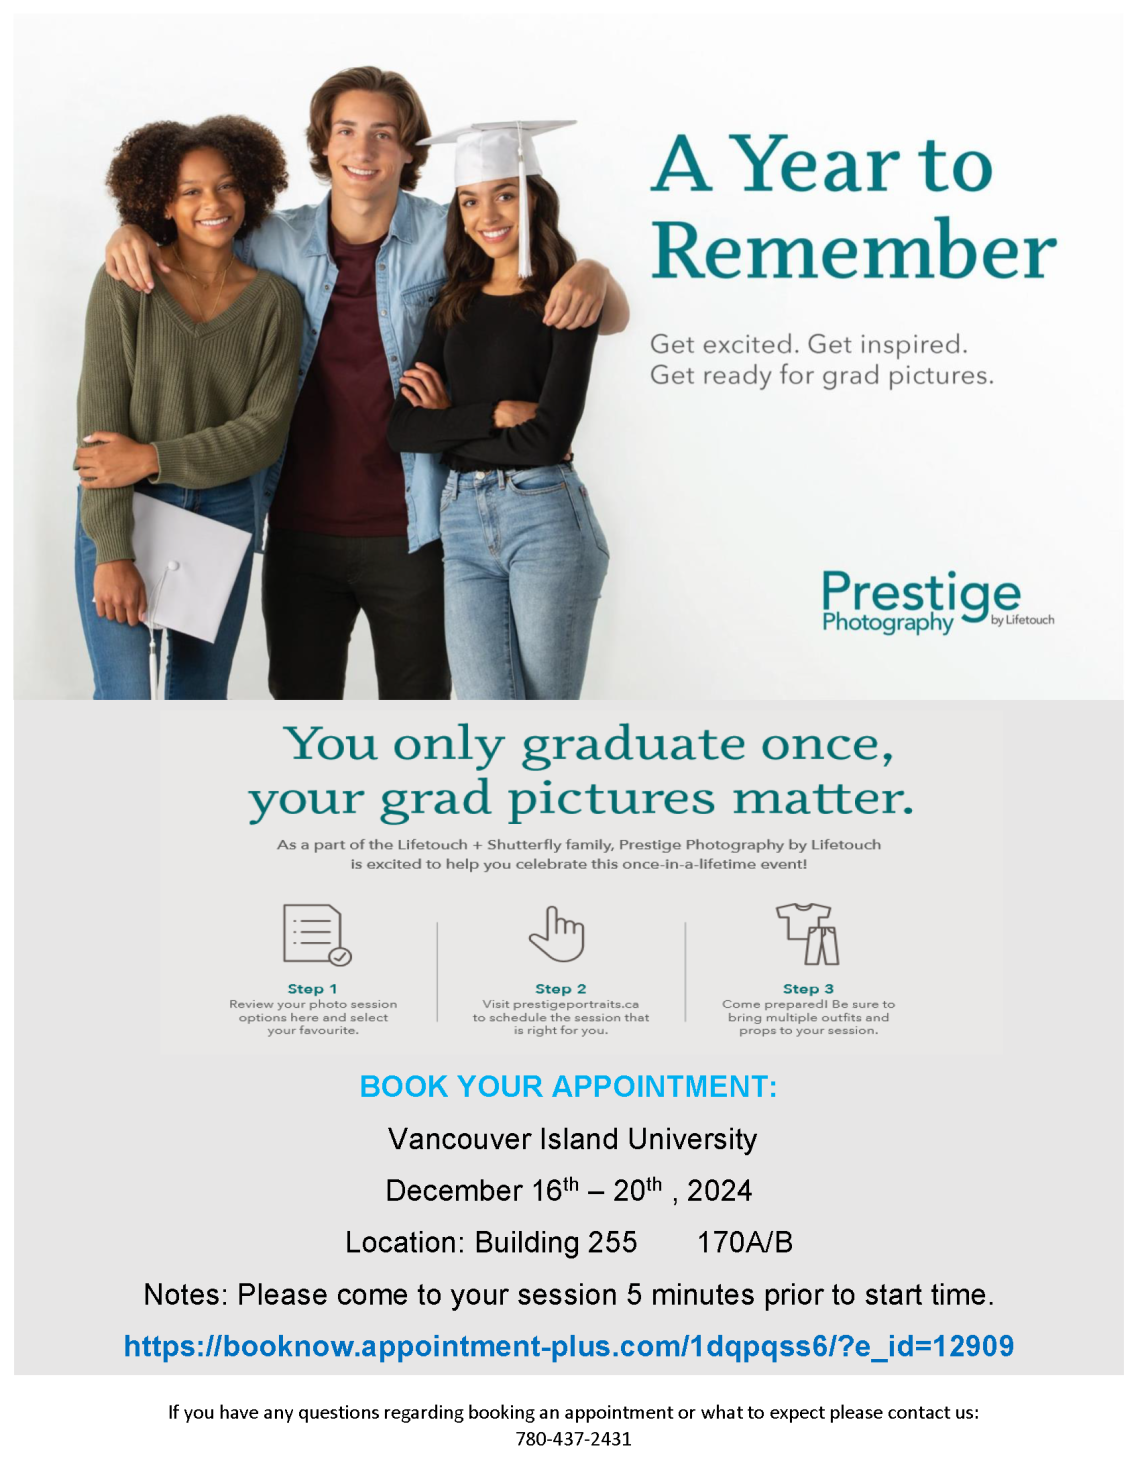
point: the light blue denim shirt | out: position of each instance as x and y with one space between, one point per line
409 273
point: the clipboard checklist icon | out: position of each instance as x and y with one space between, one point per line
312 934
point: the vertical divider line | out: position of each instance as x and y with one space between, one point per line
437 973
685 949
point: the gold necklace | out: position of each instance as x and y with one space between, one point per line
193 279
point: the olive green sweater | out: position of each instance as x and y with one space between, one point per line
214 399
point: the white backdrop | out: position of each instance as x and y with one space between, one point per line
722 506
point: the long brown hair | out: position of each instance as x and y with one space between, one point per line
469 266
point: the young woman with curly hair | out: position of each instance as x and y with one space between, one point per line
186 392
498 392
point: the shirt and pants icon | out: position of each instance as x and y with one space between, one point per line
806 924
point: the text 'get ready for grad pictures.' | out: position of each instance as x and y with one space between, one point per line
568 889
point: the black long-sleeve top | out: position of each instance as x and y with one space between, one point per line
500 350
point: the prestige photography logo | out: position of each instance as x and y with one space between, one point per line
935 605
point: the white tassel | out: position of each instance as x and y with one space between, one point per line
152 625
524 212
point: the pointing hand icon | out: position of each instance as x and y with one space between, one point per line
563 940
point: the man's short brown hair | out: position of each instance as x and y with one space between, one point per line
411 118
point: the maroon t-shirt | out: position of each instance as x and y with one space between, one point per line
340 475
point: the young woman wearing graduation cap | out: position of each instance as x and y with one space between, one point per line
499 394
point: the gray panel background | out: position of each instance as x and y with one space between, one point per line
993 1164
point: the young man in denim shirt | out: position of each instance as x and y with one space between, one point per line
353 526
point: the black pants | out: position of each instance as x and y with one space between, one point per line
314 586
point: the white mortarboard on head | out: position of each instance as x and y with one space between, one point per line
486 151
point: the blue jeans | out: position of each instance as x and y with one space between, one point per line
195 669
523 563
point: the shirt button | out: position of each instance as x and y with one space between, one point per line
392 356
383 312
327 287
383 267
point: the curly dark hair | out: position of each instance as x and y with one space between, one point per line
143 176
469 266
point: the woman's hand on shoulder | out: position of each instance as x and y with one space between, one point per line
424 387
132 256
120 593
512 412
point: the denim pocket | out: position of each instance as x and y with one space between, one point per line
541 479
595 525
423 294
417 303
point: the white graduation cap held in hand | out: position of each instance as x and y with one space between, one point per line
189 564
486 151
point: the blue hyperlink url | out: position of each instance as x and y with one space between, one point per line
834 1346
